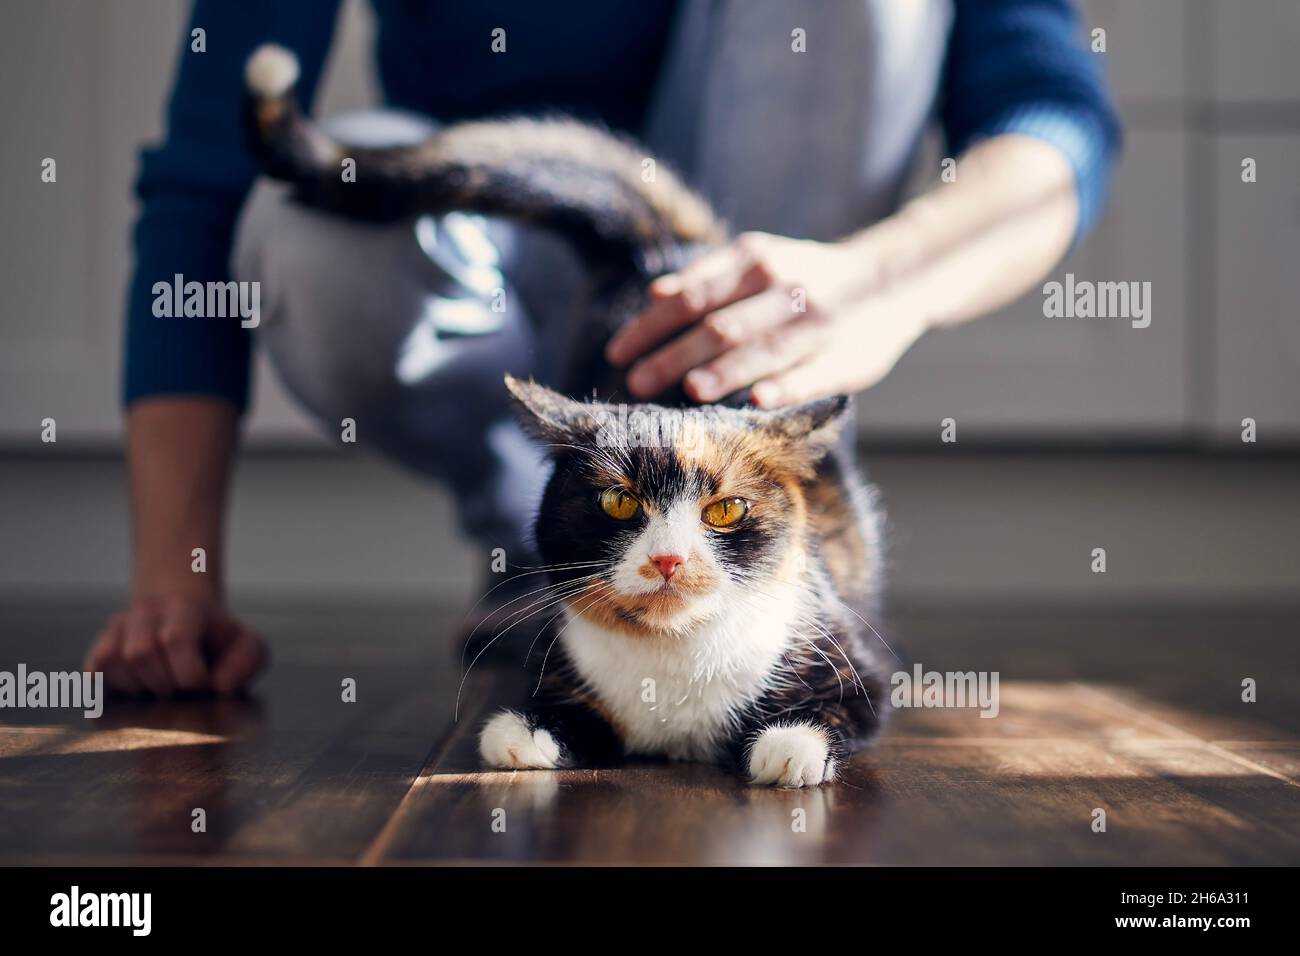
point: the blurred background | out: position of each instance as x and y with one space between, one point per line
1072 433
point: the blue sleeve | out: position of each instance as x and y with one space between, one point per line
1022 66
191 189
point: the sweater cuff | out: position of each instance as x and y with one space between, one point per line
1087 143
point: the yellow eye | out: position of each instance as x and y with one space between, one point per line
726 513
618 504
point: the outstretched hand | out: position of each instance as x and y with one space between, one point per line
795 319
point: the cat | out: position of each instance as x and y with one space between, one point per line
715 566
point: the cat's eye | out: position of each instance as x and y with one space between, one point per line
726 513
618 504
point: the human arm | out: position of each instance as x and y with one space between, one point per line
1026 112
175 635
185 379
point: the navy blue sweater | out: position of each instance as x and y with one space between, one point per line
1012 66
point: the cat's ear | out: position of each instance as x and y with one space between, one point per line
550 416
814 426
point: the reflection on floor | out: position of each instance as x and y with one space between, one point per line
1137 715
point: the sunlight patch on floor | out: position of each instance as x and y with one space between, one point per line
51 741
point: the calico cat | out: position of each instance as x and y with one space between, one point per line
708 561
715 567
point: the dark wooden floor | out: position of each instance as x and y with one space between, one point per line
1138 714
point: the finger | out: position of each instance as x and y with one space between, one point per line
98 651
746 366
142 653
180 633
105 655
240 655
665 367
803 383
719 332
720 276
661 319
716 280
752 342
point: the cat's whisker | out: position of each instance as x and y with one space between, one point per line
515 600
546 593
540 569
595 597
542 630
546 587
859 685
548 602
495 637
869 625
794 669
531 570
840 649
542 605
563 565
829 663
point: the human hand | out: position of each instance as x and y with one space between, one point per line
177 642
795 319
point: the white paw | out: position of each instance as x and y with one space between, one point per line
506 741
796 755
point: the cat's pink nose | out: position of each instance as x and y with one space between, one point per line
667 563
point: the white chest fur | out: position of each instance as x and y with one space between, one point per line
678 696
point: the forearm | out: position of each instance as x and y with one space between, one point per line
965 248
179 451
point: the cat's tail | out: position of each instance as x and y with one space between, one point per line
600 191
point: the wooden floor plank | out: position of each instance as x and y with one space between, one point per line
1025 795
1140 717
1031 710
1281 759
293 773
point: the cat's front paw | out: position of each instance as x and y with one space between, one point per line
792 755
507 740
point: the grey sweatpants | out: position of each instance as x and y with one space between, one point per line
408 328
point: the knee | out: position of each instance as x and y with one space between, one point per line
358 319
